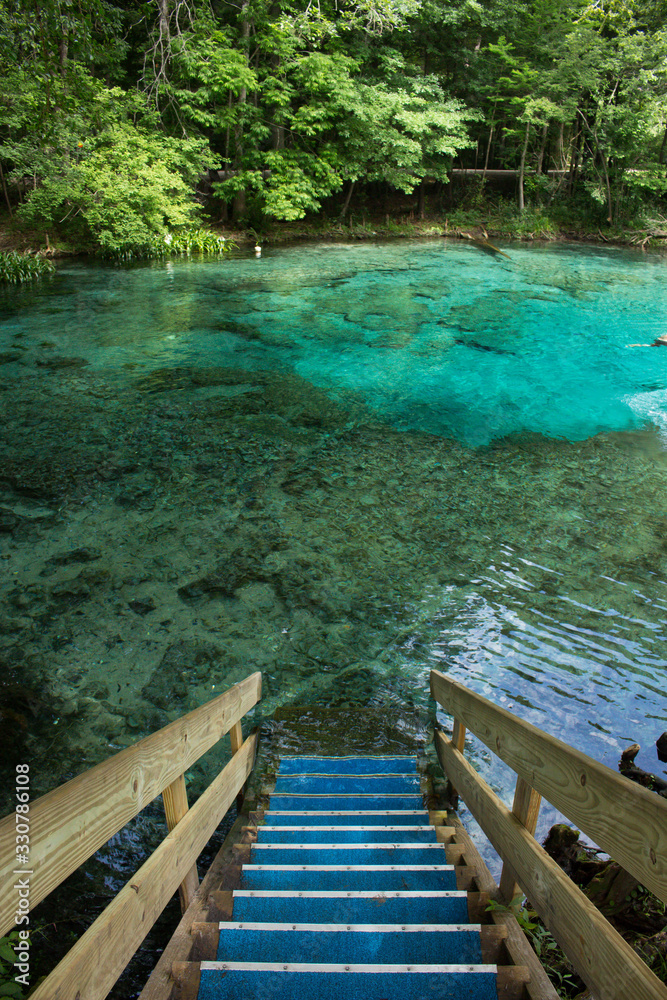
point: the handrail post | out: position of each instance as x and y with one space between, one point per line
236 738
459 735
526 808
175 800
458 742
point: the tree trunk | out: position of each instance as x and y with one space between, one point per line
663 147
240 198
522 166
343 211
62 53
560 155
422 199
543 146
488 150
605 171
4 188
575 143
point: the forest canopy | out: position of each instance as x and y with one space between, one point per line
111 113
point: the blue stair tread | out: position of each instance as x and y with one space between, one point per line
363 944
348 877
339 784
348 854
344 907
348 765
410 817
329 803
388 983
342 835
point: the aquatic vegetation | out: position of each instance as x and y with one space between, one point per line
18 267
189 241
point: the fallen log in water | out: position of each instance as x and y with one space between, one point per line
485 244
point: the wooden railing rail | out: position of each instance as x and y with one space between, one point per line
627 821
95 962
70 823
624 819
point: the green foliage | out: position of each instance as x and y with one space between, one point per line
18 267
110 183
8 986
110 112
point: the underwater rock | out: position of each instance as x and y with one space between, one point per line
242 566
71 591
9 521
137 492
171 679
142 606
56 363
84 554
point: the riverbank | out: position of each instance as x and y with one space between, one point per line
502 222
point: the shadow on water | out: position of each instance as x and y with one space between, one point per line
306 465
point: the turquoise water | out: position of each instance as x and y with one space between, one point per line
342 465
433 336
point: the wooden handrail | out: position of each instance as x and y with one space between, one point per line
606 963
627 821
70 823
619 815
95 962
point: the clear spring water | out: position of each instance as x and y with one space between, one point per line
410 455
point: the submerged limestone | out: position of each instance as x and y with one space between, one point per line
160 542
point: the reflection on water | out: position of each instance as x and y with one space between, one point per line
342 465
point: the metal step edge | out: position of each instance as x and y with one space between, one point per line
413 778
341 795
349 756
349 812
308 967
348 868
265 828
244 925
350 893
381 846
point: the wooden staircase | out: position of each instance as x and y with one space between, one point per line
351 888
347 882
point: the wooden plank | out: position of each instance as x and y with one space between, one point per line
625 820
539 986
526 808
208 904
493 944
512 981
606 963
175 799
96 961
477 907
185 980
205 937
70 823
